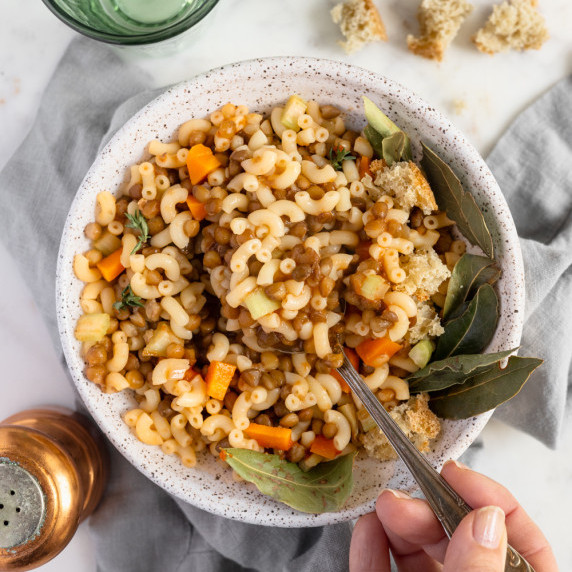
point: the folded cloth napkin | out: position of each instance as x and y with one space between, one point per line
140 527
531 163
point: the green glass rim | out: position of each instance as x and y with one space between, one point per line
135 39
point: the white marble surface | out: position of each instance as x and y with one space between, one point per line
490 90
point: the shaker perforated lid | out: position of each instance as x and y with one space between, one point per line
22 505
52 473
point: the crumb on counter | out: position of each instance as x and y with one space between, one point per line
459 106
439 23
359 22
515 25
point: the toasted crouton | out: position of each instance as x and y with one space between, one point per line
424 273
427 323
439 22
359 22
417 421
515 25
405 182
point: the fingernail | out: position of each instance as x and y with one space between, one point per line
396 494
488 526
458 464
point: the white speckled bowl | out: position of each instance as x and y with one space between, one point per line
262 84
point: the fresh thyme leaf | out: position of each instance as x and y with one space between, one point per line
138 222
338 155
128 299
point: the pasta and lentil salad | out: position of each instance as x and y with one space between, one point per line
228 271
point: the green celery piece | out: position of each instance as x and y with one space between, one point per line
421 353
295 106
259 304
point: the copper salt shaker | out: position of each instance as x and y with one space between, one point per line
53 468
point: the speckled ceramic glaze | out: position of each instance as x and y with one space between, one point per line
262 84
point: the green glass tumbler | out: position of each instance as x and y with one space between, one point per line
131 22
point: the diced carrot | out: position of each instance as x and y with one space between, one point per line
110 266
377 352
201 162
363 167
270 437
222 455
362 249
197 208
324 447
219 376
354 359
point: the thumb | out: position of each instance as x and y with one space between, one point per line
479 543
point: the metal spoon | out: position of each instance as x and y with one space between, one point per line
448 506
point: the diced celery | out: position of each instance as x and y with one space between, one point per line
374 287
420 353
92 327
107 243
259 304
366 420
160 340
295 107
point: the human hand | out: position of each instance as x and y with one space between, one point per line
409 528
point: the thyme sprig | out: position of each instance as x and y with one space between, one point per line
128 299
338 155
138 222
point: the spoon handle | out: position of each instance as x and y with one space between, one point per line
448 506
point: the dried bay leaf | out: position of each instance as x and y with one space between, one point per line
375 140
470 272
325 488
458 203
377 119
394 148
470 332
388 141
452 370
485 390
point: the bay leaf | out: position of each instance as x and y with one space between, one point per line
325 488
393 148
485 390
384 127
470 332
377 119
452 370
458 203
470 272
375 140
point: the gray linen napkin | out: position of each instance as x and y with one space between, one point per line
138 526
532 164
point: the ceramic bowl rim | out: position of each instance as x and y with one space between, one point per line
63 272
